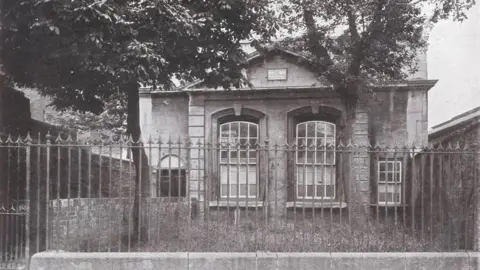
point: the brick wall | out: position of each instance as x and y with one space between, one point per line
71 176
104 224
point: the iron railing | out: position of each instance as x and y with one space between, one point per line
66 195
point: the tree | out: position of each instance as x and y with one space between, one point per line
82 52
354 44
112 120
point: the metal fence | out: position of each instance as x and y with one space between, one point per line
243 196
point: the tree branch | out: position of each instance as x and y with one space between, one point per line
323 59
354 68
352 23
361 43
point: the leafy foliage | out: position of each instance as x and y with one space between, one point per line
81 52
358 42
113 119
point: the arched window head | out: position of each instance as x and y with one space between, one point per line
171 162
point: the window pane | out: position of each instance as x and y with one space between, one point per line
253 156
224 132
310 156
224 189
253 143
243 156
224 175
239 172
244 129
330 157
233 155
306 150
311 129
390 177
381 166
243 143
390 192
330 191
252 174
320 129
223 142
390 166
398 166
301 144
243 189
330 142
381 197
330 130
326 175
234 131
320 157
300 157
233 189
398 179
300 191
305 175
320 190
253 131
253 190
382 177
309 190
224 156
321 143
301 130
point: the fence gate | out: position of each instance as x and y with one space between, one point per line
13 205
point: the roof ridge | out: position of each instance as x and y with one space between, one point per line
463 118
457 117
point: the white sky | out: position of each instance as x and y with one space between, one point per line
453 58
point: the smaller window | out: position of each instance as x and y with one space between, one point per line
277 74
389 182
172 177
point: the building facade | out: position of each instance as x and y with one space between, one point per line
286 108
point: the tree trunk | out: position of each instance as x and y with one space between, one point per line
142 170
358 212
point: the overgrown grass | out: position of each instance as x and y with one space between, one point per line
286 237
171 230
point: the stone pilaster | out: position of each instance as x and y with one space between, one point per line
361 157
196 133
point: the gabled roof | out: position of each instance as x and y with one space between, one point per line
254 56
423 84
457 121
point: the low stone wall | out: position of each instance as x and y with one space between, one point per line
103 224
264 261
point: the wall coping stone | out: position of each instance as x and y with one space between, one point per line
258 260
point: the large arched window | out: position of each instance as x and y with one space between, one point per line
238 159
315 160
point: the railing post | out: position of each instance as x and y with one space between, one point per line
28 142
476 202
47 193
194 207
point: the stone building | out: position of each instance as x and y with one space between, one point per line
286 105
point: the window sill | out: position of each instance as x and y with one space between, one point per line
389 205
233 203
316 204
170 199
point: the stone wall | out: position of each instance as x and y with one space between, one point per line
104 224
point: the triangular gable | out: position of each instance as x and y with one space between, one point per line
276 68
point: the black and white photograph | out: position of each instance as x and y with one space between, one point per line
239 134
